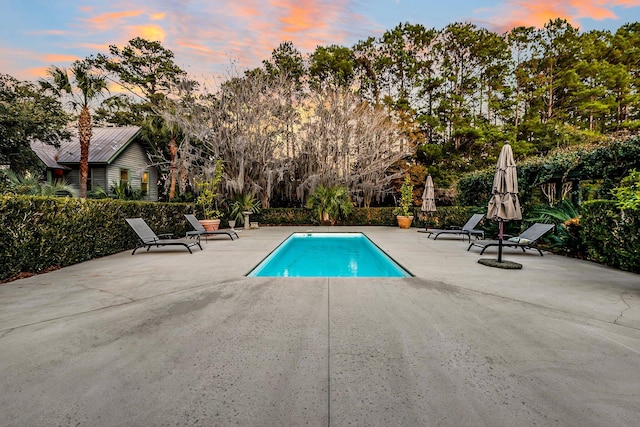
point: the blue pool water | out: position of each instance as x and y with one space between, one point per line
328 255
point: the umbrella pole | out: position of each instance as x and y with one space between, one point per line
426 221
500 243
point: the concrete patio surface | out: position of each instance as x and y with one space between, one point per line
168 338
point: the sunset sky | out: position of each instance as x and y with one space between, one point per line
209 35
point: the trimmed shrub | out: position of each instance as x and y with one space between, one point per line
371 216
612 236
444 217
285 216
449 216
40 233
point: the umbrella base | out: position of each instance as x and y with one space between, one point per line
492 262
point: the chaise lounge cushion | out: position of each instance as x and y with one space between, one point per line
520 240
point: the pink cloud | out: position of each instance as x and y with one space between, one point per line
33 65
536 13
299 16
585 9
47 33
149 31
105 20
36 73
55 58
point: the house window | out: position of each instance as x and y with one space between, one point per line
90 180
124 175
144 182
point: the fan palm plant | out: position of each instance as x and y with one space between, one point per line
243 203
29 184
330 203
83 86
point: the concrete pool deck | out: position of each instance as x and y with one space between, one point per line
168 338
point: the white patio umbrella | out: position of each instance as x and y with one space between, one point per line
504 204
428 200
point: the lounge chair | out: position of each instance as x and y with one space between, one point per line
200 231
468 230
527 240
147 238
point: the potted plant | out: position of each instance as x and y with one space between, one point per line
206 200
403 212
330 203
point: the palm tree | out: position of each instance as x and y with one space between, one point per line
83 87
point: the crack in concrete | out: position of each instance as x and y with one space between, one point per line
547 307
109 293
615 322
6 332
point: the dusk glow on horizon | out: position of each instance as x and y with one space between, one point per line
208 37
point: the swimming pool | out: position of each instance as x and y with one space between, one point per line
328 255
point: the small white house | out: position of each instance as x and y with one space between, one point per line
116 155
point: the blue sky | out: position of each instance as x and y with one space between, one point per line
207 36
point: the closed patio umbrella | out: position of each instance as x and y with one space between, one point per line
428 200
504 204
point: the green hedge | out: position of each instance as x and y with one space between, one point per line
284 216
611 236
40 233
445 216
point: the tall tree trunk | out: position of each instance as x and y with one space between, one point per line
550 106
84 135
517 118
173 149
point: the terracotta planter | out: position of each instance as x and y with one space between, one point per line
404 221
210 224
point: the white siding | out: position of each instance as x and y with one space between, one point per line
99 178
134 159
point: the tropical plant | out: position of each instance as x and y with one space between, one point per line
406 198
97 192
569 236
29 184
84 87
243 203
124 191
330 203
627 195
